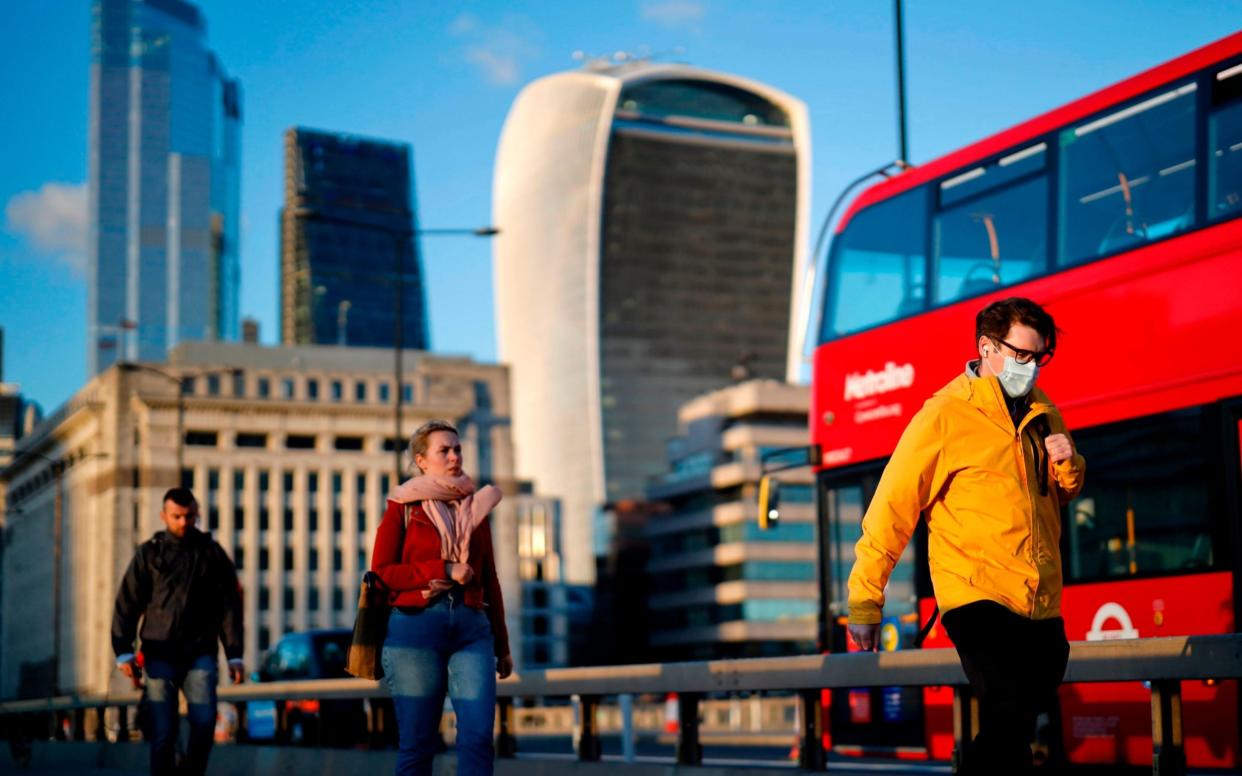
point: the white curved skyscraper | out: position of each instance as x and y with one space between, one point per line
653 217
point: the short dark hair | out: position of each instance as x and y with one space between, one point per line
182 497
995 320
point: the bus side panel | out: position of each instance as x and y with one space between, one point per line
1111 723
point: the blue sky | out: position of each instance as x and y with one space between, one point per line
442 75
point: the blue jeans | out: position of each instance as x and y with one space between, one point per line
197 678
445 648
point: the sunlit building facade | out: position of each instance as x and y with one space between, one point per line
653 217
721 587
164 164
347 243
290 453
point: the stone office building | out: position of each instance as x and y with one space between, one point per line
290 452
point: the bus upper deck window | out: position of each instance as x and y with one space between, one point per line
1127 177
1225 145
877 270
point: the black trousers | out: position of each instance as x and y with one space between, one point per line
1014 665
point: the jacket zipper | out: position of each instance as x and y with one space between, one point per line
1032 516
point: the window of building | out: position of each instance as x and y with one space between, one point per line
351 443
286 388
265 598
997 234
287 501
187 386
338 560
187 478
362 559
300 442
312 501
313 599
360 391
338 598
264 559
384 390
1128 177
407 392
263 387
338 390
265 517
288 599
213 385
312 389
251 440
879 257
288 559
1147 506
201 438
1225 145
239 383
313 560
361 500
239 502
239 558
213 499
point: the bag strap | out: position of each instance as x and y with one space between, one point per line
926 629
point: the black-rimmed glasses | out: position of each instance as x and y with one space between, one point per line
1041 358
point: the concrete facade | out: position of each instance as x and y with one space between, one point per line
286 451
721 587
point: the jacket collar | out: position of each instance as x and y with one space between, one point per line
986 395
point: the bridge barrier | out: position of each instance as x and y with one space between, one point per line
1164 662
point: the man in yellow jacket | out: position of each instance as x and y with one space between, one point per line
988 462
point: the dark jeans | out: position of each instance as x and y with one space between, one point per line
1014 665
446 648
197 678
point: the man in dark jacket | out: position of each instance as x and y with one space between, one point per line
183 587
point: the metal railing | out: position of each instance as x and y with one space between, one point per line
1163 662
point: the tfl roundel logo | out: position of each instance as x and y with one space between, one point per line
1114 612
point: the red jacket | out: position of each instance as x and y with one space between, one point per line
407 567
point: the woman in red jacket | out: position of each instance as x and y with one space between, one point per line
446 634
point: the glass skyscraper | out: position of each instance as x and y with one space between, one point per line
164 197
348 243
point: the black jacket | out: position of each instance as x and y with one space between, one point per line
187 595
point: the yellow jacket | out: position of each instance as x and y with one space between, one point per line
993 532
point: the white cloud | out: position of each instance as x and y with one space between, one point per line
498 52
674 13
464 23
53 220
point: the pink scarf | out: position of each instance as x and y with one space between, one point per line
454 508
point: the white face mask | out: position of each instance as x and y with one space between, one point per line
1017 379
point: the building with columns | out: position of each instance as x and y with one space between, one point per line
290 452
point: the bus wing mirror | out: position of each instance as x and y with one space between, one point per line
769 502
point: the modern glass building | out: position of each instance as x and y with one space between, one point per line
348 243
652 218
164 184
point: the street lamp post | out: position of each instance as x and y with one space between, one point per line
401 238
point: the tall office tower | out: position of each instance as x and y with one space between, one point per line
164 198
347 244
652 218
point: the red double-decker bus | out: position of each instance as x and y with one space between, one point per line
1119 212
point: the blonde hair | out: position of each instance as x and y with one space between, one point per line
418 442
